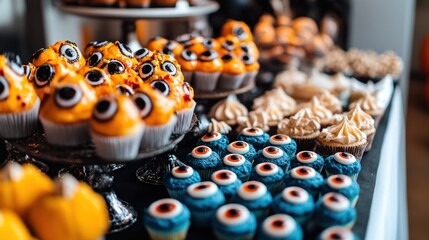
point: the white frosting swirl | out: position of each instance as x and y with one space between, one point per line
303 172
224 177
339 181
345 132
279 225
363 120
344 158
232 214
303 123
272 152
252 190
211 137
219 126
253 132
295 195
234 160
337 233
306 156
280 139
266 169
201 152
182 171
202 189
257 118
228 110
235 147
335 201
165 208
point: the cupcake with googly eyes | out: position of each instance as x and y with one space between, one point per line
280 227
178 180
158 116
243 148
227 182
255 136
238 29
285 143
337 233
215 141
234 222
269 174
309 159
203 160
203 45
116 128
274 155
116 51
188 62
342 163
237 164
124 89
228 44
208 70
167 219
98 79
342 184
255 196
64 53
252 68
296 202
19 104
203 199
334 209
304 177
66 112
233 72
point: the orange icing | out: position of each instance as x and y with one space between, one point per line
53 55
59 73
249 48
89 49
22 95
231 26
125 121
81 112
128 77
233 66
200 47
264 33
104 87
228 43
113 51
156 43
215 65
187 65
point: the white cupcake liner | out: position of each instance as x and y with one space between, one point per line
184 119
157 136
66 134
250 76
21 124
188 76
231 82
117 148
206 81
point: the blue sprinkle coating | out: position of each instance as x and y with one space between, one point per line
258 142
174 183
283 161
350 192
288 148
242 171
218 146
325 217
317 165
295 235
312 185
201 204
267 180
250 155
210 162
168 224
244 229
334 167
231 189
296 210
262 202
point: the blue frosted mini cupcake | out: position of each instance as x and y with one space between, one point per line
296 202
242 148
273 155
214 140
203 199
342 163
280 227
342 184
269 174
238 164
337 233
255 197
333 209
234 222
285 143
179 179
255 136
227 182
167 219
204 161
304 177
309 159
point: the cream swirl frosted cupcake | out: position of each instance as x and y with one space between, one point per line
342 137
237 164
320 111
280 226
369 104
303 127
333 209
364 122
278 98
255 196
228 110
234 222
331 102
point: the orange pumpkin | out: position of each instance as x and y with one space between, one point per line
73 212
12 227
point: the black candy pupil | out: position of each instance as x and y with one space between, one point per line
240 144
207 54
2 87
233 212
201 150
279 137
339 179
169 67
165 207
245 49
103 106
271 149
140 51
246 58
229 42
303 170
334 199
202 187
294 193
209 134
234 157
182 168
306 154
278 223
160 86
344 154
224 175
69 52
146 69
93 60
336 236
267 167
94 76
227 57
140 103
124 90
252 186
44 73
67 93
115 67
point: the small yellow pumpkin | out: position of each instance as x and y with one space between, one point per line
12 227
21 186
73 212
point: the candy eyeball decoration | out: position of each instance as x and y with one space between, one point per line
189 55
141 53
144 103
105 109
295 195
70 52
339 181
266 169
182 171
115 67
124 89
201 152
238 29
44 75
68 95
224 177
336 201
252 190
4 88
125 50
146 70
166 208
95 59
272 152
238 147
233 214
202 189
162 86
306 156
169 67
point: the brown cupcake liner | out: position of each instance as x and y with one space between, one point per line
326 150
369 138
305 144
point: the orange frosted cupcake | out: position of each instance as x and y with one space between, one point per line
188 63
238 29
98 79
95 46
158 116
364 122
116 127
165 46
252 68
185 111
64 53
204 45
228 44
19 104
248 48
208 70
233 72
66 112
